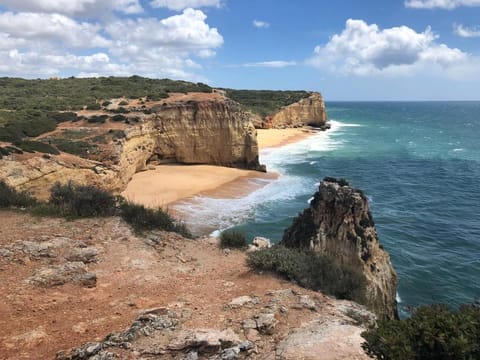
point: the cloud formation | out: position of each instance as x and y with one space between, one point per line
440 4
261 24
75 7
270 64
44 43
184 4
363 49
466 32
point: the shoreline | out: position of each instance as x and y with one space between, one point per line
168 185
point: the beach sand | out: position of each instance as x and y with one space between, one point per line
168 184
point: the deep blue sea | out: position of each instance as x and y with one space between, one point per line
419 165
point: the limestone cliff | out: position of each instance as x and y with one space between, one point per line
194 128
308 111
338 223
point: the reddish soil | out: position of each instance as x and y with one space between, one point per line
193 275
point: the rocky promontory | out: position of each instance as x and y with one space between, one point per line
309 111
338 223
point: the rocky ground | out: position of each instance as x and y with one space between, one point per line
95 287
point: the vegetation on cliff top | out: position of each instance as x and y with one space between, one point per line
74 93
30 108
310 270
72 200
432 332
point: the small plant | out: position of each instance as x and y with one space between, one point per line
432 332
144 219
9 197
81 200
123 103
310 270
106 103
233 239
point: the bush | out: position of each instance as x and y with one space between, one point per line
106 103
144 219
432 332
310 270
233 239
81 200
123 103
38 146
118 117
95 106
9 197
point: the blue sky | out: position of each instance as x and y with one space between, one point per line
348 50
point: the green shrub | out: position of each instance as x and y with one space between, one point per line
106 103
144 219
80 148
118 117
120 110
123 103
9 197
97 119
432 332
233 239
81 200
95 106
310 270
38 146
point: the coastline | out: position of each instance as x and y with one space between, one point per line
167 185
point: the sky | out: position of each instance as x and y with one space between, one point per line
346 49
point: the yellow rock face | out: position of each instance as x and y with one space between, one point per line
308 111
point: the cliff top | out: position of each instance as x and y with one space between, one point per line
50 268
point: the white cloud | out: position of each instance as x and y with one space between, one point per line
184 4
466 32
271 64
45 44
75 7
159 40
261 24
364 49
50 27
441 4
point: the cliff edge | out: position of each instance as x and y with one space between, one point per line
338 223
309 111
106 147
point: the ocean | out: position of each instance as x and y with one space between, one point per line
419 165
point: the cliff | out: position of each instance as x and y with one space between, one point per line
338 223
308 111
193 128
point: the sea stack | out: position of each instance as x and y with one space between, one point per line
338 223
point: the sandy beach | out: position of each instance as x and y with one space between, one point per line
168 184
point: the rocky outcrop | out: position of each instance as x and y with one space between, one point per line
309 111
338 223
184 129
215 132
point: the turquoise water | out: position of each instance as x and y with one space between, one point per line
418 163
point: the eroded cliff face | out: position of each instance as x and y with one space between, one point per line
185 129
309 111
338 223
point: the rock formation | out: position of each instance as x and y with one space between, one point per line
309 111
215 132
185 128
338 223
